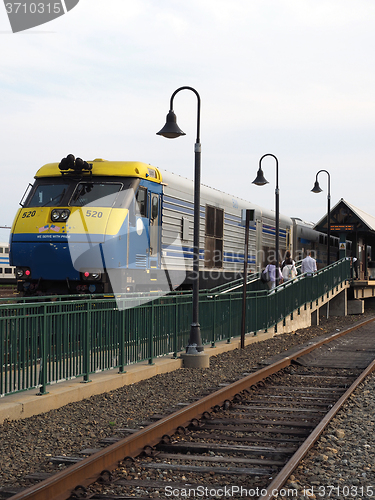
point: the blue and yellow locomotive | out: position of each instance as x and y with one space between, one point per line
77 214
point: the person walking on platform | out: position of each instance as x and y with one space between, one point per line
354 265
271 268
308 265
287 257
288 268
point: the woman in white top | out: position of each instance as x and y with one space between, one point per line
288 267
272 272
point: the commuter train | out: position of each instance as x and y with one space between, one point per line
7 272
110 226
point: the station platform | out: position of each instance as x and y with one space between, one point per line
28 403
363 289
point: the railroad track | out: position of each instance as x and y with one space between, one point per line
250 434
8 291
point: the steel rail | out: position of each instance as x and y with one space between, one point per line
286 471
86 472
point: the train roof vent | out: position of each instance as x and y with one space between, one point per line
99 159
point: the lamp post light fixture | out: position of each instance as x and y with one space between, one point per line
171 130
261 181
317 189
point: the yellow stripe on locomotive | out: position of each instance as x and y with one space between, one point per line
92 220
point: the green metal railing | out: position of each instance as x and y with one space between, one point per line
47 340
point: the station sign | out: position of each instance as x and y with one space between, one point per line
342 227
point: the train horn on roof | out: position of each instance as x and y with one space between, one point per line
72 163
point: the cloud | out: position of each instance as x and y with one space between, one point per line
287 77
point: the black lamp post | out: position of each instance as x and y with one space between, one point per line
317 189
261 181
171 130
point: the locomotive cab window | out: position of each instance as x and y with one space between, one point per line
47 195
89 192
213 253
154 207
141 199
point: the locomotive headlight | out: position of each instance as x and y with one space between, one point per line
91 276
23 273
64 215
19 272
55 215
60 215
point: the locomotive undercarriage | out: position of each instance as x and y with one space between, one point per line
127 281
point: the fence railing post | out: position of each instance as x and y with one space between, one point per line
86 345
213 332
43 354
230 329
176 308
151 336
122 336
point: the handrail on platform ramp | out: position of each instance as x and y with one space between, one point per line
50 339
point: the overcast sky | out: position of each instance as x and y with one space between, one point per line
294 78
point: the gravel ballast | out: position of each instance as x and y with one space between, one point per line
342 463
344 456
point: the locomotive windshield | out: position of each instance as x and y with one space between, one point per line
88 192
47 195
59 192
